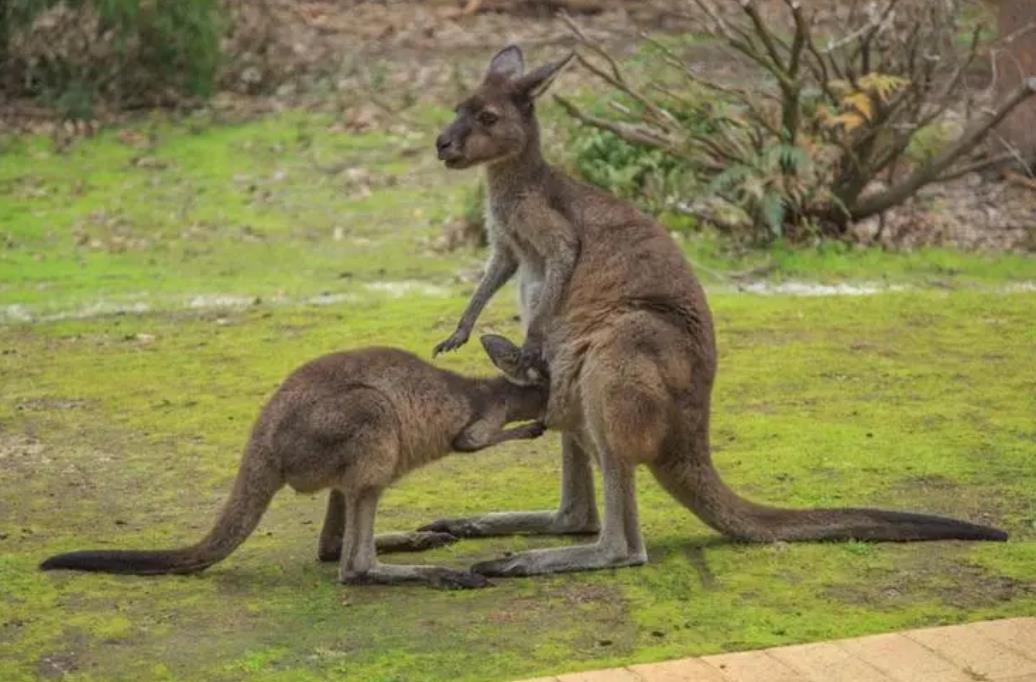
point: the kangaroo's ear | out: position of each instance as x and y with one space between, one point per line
501 352
508 64
536 82
507 358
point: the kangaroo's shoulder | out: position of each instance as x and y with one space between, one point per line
590 209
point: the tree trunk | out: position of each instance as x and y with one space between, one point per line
1014 62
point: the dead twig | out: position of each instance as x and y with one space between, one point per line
941 165
1016 178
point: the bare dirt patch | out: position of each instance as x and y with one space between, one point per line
58 664
50 403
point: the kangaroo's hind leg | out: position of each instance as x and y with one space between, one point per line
360 565
331 535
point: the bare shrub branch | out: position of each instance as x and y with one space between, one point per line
806 147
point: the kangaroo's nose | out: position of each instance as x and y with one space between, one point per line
442 143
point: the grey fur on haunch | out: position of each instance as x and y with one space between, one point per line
353 422
614 312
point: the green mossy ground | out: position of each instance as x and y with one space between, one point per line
125 429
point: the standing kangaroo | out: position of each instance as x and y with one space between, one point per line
612 307
354 422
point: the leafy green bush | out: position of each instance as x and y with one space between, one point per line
73 53
931 140
639 173
774 187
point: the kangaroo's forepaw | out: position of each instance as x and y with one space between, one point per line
457 528
456 340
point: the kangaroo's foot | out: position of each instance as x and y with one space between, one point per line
517 523
578 558
432 576
388 543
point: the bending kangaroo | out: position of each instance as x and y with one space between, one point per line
612 307
354 422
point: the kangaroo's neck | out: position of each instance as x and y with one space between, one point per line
520 173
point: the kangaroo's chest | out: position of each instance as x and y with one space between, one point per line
506 228
507 225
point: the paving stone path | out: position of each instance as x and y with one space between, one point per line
988 651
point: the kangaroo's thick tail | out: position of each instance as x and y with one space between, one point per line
698 486
257 482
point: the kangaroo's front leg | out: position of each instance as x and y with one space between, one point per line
502 266
486 433
577 513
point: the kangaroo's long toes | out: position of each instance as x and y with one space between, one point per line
461 580
432 539
458 528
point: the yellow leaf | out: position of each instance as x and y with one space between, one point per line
850 120
860 102
882 84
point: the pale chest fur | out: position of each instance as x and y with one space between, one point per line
505 227
506 224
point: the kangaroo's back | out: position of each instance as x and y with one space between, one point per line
628 261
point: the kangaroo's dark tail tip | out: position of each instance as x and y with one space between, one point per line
907 527
123 561
972 531
51 563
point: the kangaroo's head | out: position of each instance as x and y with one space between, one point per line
497 122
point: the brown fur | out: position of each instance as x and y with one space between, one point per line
354 422
615 311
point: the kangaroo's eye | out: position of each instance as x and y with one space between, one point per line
487 118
